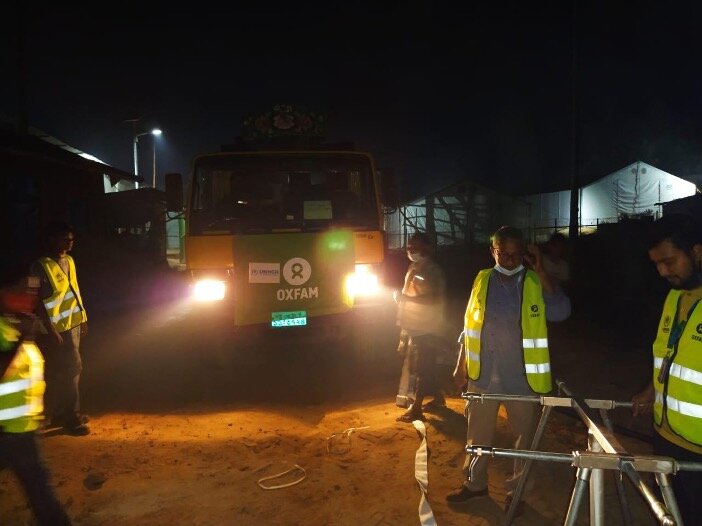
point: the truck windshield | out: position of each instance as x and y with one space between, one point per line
259 193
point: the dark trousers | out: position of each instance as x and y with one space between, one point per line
19 452
687 485
426 369
62 373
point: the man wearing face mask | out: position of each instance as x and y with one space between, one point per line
675 393
505 350
420 315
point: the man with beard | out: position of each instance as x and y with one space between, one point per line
675 392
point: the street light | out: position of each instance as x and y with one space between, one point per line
155 131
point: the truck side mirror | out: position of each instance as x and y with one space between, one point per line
174 192
388 188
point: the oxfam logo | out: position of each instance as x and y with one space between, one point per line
699 329
297 271
534 308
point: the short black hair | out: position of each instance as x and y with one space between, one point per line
57 228
504 233
422 237
682 230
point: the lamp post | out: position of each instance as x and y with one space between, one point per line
154 132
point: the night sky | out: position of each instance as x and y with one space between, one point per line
437 93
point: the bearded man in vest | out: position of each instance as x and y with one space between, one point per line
21 391
675 393
505 350
65 321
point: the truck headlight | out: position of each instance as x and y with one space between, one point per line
209 290
363 282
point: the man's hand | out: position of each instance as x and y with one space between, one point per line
534 257
642 403
460 378
460 372
535 260
56 336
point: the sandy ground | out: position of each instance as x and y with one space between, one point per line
181 434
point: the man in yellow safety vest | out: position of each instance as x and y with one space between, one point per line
65 319
674 394
505 349
21 392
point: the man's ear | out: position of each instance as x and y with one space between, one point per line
697 255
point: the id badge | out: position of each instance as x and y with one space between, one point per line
663 371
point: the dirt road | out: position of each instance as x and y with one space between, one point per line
181 436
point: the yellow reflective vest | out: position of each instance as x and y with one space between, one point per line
677 371
22 385
64 305
533 323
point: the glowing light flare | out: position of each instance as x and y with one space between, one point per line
336 241
363 282
209 290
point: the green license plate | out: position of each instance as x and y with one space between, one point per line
289 319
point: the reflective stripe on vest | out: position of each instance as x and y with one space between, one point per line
64 306
16 386
533 324
22 390
534 343
684 408
58 301
65 314
15 412
679 396
538 368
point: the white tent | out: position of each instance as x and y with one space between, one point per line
636 190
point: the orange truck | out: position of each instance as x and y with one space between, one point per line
286 232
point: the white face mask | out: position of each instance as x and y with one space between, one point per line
415 256
502 270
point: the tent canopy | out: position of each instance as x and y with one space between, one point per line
635 190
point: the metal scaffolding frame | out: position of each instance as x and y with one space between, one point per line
604 453
460 215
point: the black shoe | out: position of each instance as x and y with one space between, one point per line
434 405
71 421
410 416
83 419
463 494
520 507
76 430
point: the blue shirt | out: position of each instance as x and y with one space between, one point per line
501 355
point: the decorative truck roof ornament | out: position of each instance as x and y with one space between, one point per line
285 121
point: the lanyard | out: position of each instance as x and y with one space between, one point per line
679 327
673 339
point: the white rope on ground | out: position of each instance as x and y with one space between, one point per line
347 434
421 473
287 484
